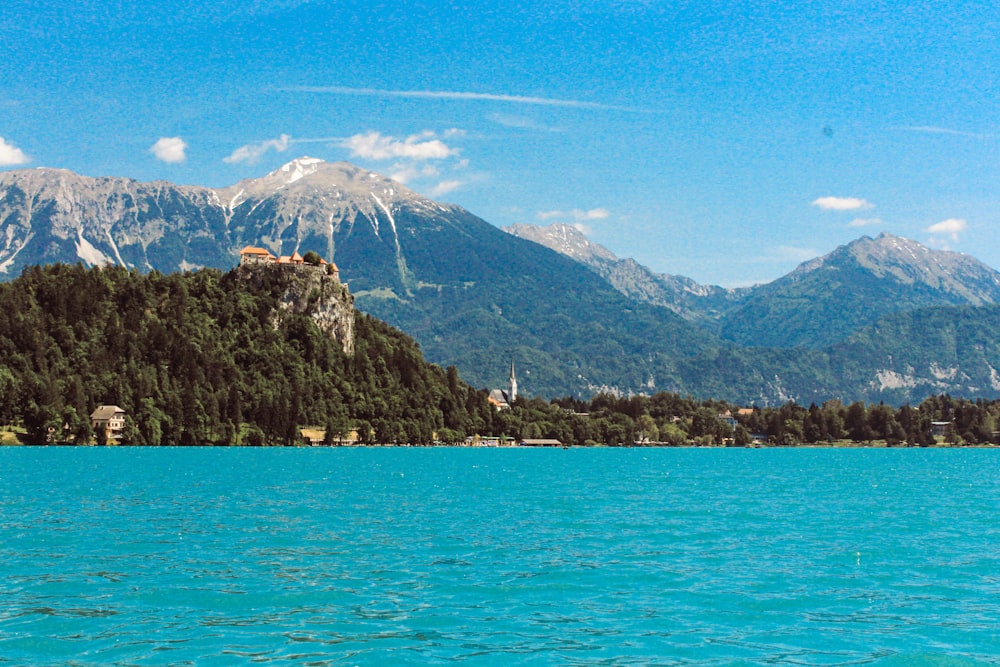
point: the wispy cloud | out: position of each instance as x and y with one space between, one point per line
462 96
783 254
11 155
865 222
251 153
520 122
404 172
772 257
376 146
932 129
169 149
576 214
950 229
444 187
795 253
842 203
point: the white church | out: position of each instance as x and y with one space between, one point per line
502 399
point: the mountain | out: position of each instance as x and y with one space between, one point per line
902 358
821 303
476 297
703 304
943 349
472 295
827 299
52 215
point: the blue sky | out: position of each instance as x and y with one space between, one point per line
724 141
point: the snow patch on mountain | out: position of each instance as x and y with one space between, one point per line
86 251
300 168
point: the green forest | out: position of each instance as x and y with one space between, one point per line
195 359
198 358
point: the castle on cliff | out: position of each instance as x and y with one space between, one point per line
253 256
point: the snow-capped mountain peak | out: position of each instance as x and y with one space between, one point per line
298 168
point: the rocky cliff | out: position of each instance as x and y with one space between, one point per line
313 291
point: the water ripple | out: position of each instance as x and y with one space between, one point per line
576 557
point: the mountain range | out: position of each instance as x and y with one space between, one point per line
820 303
878 319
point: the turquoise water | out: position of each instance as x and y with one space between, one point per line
431 556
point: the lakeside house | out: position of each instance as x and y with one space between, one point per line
540 442
940 429
489 441
109 420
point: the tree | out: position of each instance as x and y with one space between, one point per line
254 436
131 434
448 436
705 423
101 435
673 435
646 429
856 423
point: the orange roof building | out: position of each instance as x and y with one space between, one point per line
254 255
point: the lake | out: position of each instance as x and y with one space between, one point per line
357 556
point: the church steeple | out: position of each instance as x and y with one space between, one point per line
513 383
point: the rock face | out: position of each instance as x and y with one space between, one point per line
702 304
313 291
54 215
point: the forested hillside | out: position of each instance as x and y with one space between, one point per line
197 358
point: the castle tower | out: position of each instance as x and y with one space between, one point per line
513 383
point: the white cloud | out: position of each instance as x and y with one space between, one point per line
842 203
951 228
865 222
169 149
11 155
445 187
376 146
406 172
576 214
251 153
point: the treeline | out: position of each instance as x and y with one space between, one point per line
200 358
196 358
672 420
